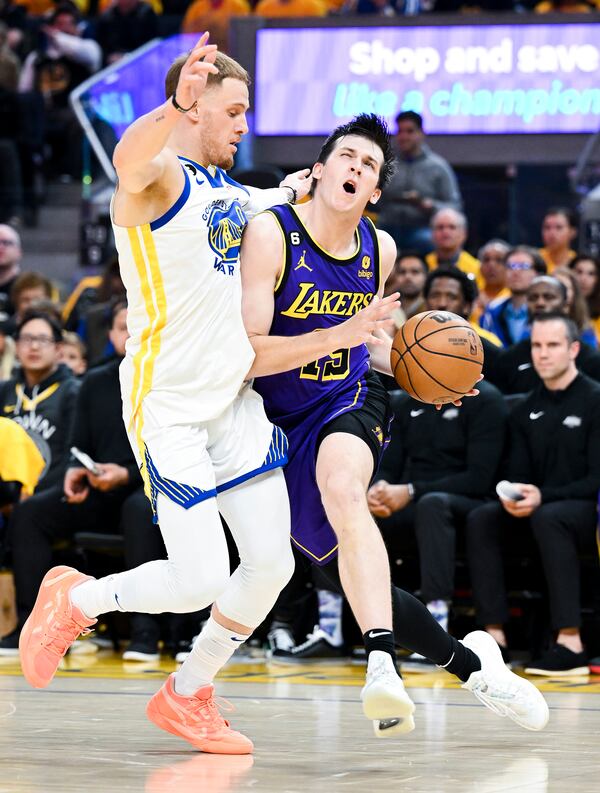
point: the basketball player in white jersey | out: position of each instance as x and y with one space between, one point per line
200 435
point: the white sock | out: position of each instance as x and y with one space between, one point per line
211 651
98 596
330 615
439 610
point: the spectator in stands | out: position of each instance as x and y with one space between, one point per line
28 288
10 173
559 230
563 6
423 182
577 308
554 463
73 353
124 27
8 356
112 500
408 278
449 232
214 15
291 8
508 317
492 256
91 291
439 466
587 272
10 266
41 397
513 371
61 61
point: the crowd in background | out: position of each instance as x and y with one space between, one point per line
436 489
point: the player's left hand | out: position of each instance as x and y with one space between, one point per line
300 181
458 402
111 476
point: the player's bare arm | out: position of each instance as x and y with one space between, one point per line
150 177
380 353
262 258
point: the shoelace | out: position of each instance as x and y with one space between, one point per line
55 641
280 639
210 709
490 694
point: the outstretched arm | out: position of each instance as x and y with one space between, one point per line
262 259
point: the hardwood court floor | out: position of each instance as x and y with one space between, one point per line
88 733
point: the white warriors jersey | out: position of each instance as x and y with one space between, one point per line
188 352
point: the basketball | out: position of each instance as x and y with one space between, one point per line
436 357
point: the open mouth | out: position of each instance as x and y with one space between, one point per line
350 187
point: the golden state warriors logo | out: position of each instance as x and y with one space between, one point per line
365 268
226 223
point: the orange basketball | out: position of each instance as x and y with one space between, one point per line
436 357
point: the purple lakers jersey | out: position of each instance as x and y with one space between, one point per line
317 291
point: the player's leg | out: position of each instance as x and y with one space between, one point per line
364 572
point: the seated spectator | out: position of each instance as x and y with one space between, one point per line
422 183
61 61
112 500
439 466
214 15
89 292
508 317
449 233
291 8
576 306
28 288
21 465
559 230
10 266
10 173
73 353
587 272
513 371
8 358
408 278
554 463
492 256
124 27
41 397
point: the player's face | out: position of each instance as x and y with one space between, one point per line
222 121
36 349
348 179
556 232
446 295
551 352
587 276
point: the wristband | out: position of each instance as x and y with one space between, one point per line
411 490
294 197
178 106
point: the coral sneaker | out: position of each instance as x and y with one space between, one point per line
196 719
52 627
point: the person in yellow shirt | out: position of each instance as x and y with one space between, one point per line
492 256
449 233
291 8
559 229
215 15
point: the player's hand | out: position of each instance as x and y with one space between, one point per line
195 71
111 476
523 508
299 181
458 402
75 485
362 327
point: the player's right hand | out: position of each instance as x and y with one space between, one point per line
362 327
195 71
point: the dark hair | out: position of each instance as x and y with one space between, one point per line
569 214
371 127
118 304
539 265
468 285
570 326
410 115
593 301
553 282
578 310
64 8
35 313
411 255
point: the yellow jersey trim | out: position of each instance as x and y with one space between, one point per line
317 558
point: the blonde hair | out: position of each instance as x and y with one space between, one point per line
74 340
227 68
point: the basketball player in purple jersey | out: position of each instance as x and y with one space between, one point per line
306 272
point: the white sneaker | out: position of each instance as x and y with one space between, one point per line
500 689
384 698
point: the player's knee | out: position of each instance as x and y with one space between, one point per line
194 591
342 493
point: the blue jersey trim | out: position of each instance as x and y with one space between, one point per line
185 496
276 458
177 206
232 181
